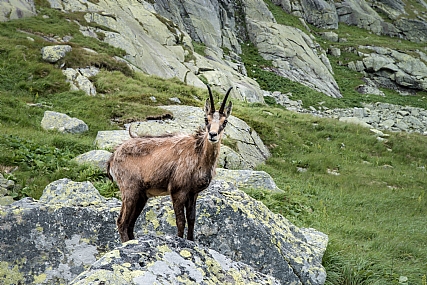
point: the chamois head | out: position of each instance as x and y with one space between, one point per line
216 120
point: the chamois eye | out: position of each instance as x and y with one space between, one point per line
225 123
206 121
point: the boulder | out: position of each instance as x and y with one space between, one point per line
248 179
394 69
72 226
79 79
16 9
108 140
6 187
155 259
62 123
55 53
95 158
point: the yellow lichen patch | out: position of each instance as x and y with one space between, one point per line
38 279
151 217
185 253
127 264
163 249
132 241
109 256
171 217
10 275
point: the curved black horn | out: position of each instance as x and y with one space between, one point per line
221 110
211 99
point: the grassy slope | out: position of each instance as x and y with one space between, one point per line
374 214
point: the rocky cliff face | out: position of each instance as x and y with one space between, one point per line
158 36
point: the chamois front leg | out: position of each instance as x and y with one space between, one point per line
178 201
132 206
190 207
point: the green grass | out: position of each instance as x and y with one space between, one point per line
373 212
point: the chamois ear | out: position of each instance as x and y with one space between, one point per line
227 111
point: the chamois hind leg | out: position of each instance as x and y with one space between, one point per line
132 206
190 207
178 201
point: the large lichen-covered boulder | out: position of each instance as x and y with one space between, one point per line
62 123
53 240
169 260
16 9
261 239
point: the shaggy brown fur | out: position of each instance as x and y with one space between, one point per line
176 165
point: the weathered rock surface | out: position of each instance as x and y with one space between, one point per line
294 54
378 116
158 46
249 149
95 158
394 69
319 13
16 9
247 179
79 79
169 260
62 123
6 186
54 53
72 226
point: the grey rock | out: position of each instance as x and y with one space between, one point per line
95 158
175 100
62 123
319 13
6 185
330 36
413 30
79 79
16 9
70 193
169 260
334 51
294 55
230 159
6 200
108 140
387 124
59 238
354 120
248 179
54 53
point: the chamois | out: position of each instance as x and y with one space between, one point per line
177 165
